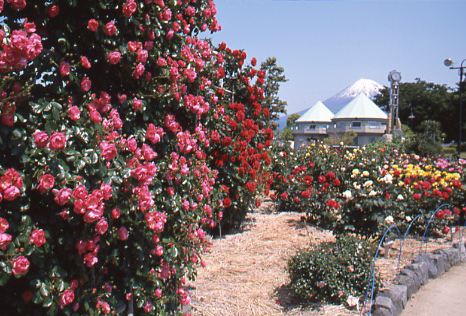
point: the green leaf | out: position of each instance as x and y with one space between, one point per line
47 302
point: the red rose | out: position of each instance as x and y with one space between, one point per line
226 202
20 265
41 139
92 25
53 11
137 104
67 297
17 4
62 196
284 195
446 229
57 141
37 237
95 116
129 8
251 186
440 214
417 196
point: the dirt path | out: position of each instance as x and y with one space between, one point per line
245 273
442 296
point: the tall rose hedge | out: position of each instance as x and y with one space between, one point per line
124 137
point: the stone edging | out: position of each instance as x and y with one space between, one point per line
391 301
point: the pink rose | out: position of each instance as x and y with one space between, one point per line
123 233
159 250
62 196
129 8
67 297
47 181
57 141
116 213
90 259
110 29
80 192
92 25
109 151
85 62
107 191
75 113
158 293
86 84
114 57
137 104
20 265
11 193
5 240
41 139
64 69
3 225
101 226
95 116
105 307
142 56
37 237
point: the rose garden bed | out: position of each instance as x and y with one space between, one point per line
245 273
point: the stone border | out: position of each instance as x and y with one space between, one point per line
391 301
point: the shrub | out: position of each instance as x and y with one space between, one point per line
332 272
119 146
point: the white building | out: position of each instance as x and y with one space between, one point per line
361 115
312 125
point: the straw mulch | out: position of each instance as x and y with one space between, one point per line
245 273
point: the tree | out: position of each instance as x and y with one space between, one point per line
286 134
275 76
426 101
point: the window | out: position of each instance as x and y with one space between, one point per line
356 125
374 124
312 126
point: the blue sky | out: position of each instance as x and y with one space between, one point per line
326 45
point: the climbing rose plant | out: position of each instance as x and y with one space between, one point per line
123 137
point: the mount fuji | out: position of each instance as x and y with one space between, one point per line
335 103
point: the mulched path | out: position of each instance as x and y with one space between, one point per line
245 273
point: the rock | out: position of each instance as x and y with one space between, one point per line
383 306
398 294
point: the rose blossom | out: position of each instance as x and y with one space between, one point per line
17 4
67 297
86 84
37 237
57 141
75 113
123 233
47 181
20 265
11 193
41 139
62 196
3 225
109 150
137 104
53 11
114 57
92 25
116 213
64 69
5 240
85 62
101 226
110 29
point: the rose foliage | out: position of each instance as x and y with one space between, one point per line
120 144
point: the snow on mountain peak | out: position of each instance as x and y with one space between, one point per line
369 87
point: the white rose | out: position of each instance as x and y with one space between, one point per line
389 220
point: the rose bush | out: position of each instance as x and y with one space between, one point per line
363 191
124 136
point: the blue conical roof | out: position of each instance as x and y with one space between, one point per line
361 107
